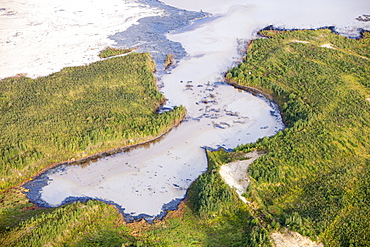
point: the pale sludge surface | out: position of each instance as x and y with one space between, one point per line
145 180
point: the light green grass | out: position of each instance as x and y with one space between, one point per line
311 176
77 112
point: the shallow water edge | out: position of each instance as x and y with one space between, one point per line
42 179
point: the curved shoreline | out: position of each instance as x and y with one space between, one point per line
251 90
174 20
38 181
257 92
169 206
98 155
104 221
120 149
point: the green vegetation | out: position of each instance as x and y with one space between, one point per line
79 224
110 52
77 112
212 216
315 175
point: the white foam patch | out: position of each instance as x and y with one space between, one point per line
39 37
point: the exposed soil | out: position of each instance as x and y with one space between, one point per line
293 239
235 173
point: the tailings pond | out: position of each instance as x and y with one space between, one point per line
207 40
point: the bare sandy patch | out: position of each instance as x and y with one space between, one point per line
299 41
235 174
328 45
293 239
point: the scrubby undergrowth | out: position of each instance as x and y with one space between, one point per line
315 175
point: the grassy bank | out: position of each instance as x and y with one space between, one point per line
82 224
77 112
315 175
211 216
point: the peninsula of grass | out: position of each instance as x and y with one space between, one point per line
315 177
111 52
77 112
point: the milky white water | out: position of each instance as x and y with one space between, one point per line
144 179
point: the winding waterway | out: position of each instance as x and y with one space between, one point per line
147 180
